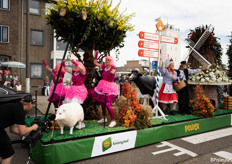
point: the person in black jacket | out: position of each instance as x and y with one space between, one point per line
12 114
183 94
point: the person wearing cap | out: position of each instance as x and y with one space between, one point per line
183 94
12 114
167 94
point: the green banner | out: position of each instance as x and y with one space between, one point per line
63 152
169 131
74 150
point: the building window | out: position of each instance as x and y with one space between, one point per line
60 45
4 4
34 7
36 70
4 34
47 5
37 38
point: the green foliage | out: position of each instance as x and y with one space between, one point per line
229 54
89 24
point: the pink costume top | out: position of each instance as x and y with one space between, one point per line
78 78
106 75
55 74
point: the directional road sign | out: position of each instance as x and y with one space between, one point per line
155 37
148 44
148 53
148 36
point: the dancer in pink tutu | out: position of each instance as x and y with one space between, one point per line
106 86
77 92
60 91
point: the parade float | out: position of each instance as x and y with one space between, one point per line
92 26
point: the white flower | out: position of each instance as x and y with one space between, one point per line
197 77
202 80
217 72
219 80
206 79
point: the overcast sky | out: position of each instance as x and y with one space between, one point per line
183 14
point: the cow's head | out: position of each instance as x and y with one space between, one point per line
134 74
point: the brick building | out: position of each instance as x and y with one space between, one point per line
142 65
25 38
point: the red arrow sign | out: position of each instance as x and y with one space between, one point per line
169 39
148 36
155 37
148 44
148 53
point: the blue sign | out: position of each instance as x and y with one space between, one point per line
154 64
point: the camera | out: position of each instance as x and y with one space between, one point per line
44 126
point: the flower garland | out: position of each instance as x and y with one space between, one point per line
132 114
201 105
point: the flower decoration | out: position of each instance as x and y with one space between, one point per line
217 75
132 114
201 105
81 21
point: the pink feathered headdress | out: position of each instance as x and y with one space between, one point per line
111 60
79 64
58 67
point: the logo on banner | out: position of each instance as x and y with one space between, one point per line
113 143
106 144
189 128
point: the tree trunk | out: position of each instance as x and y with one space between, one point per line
89 106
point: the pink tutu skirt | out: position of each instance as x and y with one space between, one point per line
59 94
76 93
98 93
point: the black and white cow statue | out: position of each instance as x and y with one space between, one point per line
146 84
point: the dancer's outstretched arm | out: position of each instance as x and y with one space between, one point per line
79 66
65 68
95 60
48 68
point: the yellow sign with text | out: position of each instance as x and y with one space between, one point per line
192 127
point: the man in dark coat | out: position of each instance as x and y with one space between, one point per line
183 94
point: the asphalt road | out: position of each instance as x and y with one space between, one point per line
178 150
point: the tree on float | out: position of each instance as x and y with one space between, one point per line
89 25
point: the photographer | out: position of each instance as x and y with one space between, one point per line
12 114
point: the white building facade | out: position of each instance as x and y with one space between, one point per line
171 50
58 49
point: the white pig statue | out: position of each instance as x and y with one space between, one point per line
68 115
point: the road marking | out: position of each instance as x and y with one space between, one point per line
224 154
200 138
174 147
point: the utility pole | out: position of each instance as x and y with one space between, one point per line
27 48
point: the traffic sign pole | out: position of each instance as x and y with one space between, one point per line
157 109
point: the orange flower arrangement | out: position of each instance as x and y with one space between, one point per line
201 105
132 115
